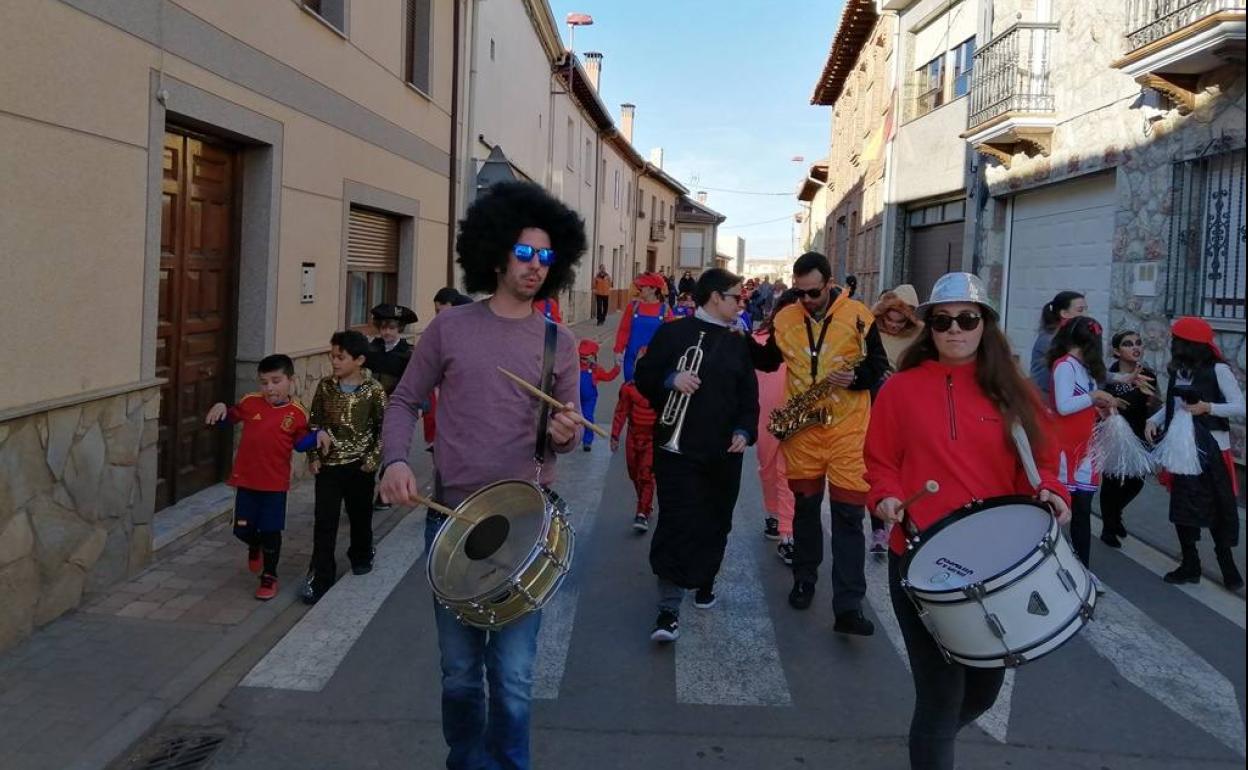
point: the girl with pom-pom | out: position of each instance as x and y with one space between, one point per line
1131 382
1203 386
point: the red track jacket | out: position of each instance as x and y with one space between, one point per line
933 422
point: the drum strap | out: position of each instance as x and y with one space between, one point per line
548 371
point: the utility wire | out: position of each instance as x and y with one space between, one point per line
743 192
752 224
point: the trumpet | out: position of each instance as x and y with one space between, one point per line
678 403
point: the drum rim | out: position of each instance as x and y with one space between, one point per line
971 508
549 498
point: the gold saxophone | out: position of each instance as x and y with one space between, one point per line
806 408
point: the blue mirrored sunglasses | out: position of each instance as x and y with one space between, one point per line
524 252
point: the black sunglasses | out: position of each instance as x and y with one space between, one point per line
812 293
966 321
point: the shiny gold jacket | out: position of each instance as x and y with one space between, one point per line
353 420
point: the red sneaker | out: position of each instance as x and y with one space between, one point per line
255 560
268 588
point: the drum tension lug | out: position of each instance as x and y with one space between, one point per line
1014 660
1067 581
1086 612
994 625
1048 545
974 591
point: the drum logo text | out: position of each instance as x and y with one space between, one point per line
954 567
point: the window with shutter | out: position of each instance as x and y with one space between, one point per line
372 263
417 21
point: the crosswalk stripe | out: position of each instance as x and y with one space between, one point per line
1157 662
307 657
728 655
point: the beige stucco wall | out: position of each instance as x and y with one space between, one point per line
574 181
511 92
665 249
616 216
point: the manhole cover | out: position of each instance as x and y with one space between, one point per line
183 752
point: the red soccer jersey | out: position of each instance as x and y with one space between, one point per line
269 436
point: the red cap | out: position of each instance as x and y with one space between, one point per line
1194 330
653 280
587 348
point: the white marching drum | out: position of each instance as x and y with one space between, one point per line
997 584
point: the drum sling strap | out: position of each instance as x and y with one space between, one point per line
548 371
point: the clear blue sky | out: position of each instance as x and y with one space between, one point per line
723 86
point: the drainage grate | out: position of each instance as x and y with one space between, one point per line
184 752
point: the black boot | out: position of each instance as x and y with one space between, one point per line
1188 570
1230 573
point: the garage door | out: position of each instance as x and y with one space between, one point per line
934 251
1062 238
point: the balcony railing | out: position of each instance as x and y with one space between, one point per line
658 230
1150 20
1011 74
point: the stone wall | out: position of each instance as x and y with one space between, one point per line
1107 122
77 491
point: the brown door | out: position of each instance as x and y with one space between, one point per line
934 251
194 331
652 258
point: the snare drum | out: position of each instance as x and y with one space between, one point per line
503 555
997 584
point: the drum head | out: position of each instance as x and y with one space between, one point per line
490 541
976 546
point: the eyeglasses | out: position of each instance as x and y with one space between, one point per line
524 252
812 293
967 322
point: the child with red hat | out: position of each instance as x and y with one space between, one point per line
634 409
1203 385
591 375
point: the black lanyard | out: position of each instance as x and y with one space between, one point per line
815 347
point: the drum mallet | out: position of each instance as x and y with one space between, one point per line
554 402
912 532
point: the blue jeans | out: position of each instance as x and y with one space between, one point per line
481 739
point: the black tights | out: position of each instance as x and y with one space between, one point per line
1081 524
947 696
1116 495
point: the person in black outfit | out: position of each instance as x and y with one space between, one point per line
698 485
1117 492
388 352
688 284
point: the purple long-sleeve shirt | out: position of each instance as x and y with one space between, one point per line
487 425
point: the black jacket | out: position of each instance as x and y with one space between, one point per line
388 367
726 402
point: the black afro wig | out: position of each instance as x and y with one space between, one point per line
493 224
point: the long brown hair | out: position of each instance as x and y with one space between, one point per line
996 374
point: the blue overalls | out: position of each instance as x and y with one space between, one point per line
640 331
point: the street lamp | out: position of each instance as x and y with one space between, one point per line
573 21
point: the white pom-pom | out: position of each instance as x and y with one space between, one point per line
1177 451
1116 451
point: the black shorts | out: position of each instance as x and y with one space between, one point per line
256 511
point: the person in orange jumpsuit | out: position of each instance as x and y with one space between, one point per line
828 336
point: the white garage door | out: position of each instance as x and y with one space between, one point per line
1062 238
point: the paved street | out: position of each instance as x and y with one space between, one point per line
1157 681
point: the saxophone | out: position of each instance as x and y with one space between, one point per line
804 410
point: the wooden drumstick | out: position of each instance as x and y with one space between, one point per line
431 505
930 488
554 402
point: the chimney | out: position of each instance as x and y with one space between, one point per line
593 67
701 196
656 157
626 121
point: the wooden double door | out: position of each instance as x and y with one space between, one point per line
195 331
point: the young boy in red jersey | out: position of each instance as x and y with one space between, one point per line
591 375
633 408
273 426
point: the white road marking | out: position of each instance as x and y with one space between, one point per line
727 655
1208 593
307 657
1153 659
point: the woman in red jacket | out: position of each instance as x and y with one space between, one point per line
945 416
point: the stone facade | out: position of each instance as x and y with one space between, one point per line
1103 124
853 227
77 488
